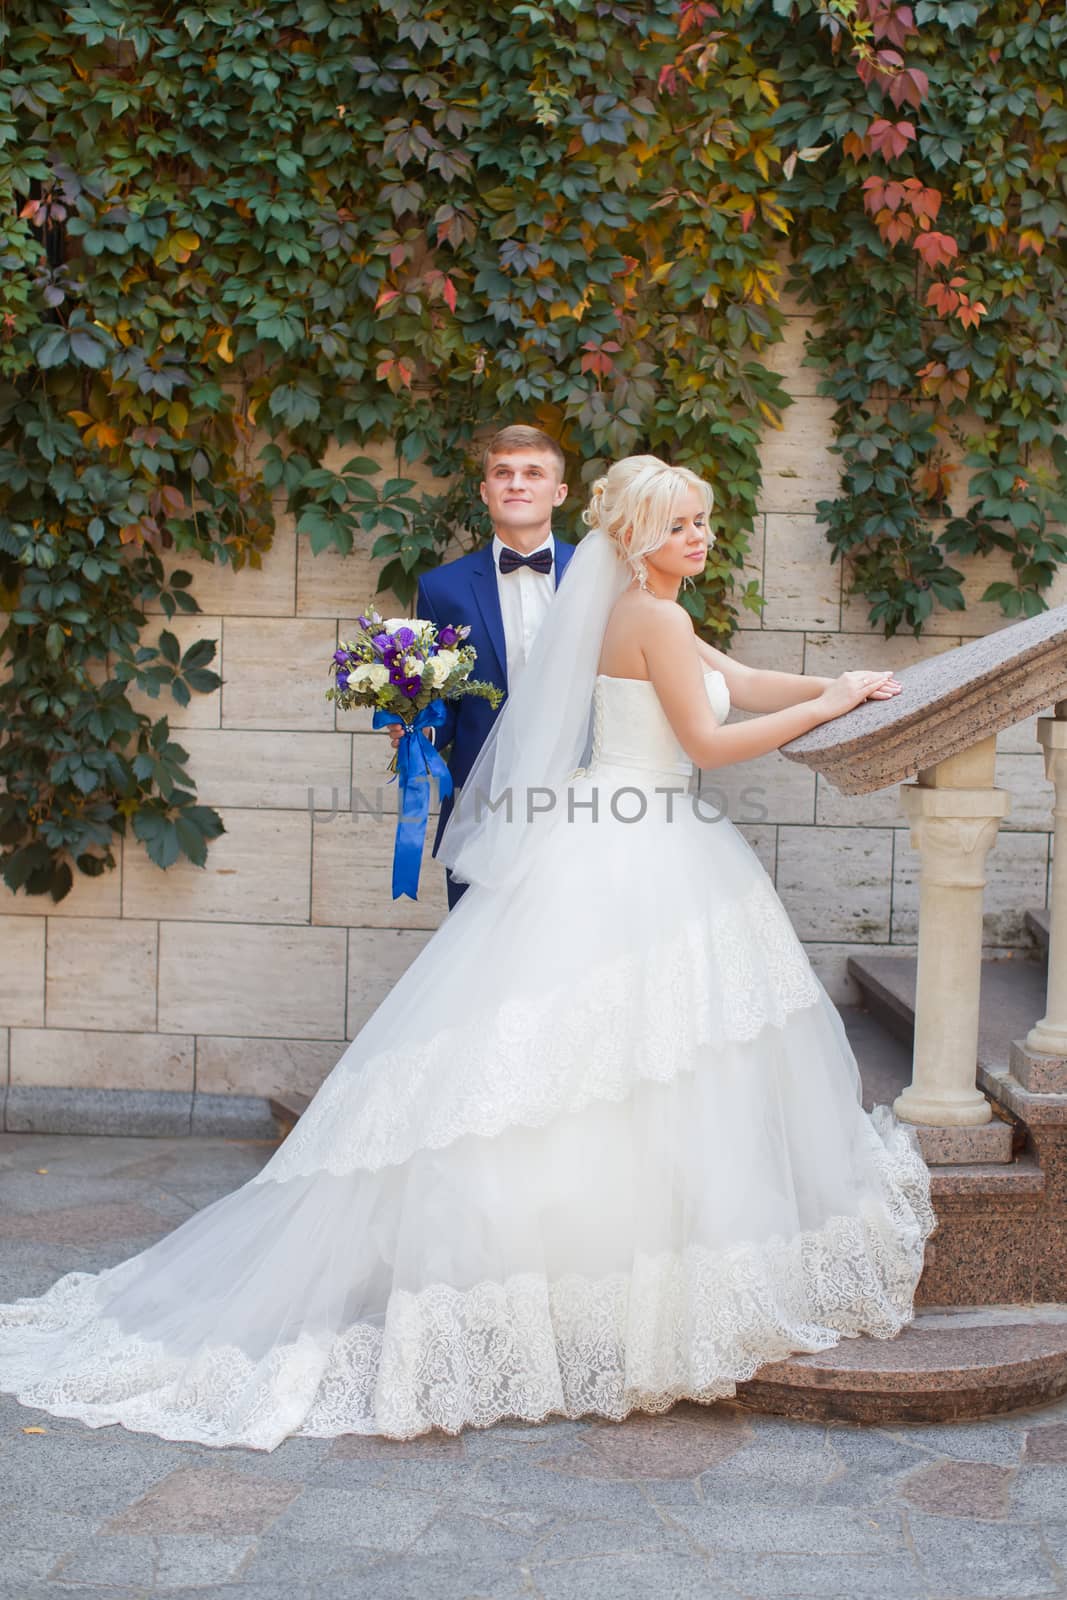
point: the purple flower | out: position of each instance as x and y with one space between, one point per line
447 636
383 644
411 687
364 622
342 680
404 638
340 656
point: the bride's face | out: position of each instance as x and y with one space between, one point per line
684 552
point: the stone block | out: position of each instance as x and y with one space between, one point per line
203 710
280 982
22 945
881 808
795 461
271 770
763 837
803 589
767 789
329 584
965 1146
232 1116
979 617
1037 1071
787 359
265 591
351 878
835 882
1015 872
376 959
1032 795
81 1058
830 964
1022 738
231 1066
88 897
751 621
277 673
32 1108
769 649
259 870
102 975
861 649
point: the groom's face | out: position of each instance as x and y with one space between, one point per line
521 489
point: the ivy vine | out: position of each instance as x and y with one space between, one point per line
932 246
233 236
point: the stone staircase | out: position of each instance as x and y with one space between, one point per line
990 1332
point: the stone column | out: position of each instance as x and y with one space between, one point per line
1039 1061
954 810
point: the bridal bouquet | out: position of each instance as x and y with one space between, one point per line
406 668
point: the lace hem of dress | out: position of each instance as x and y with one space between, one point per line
724 977
677 1326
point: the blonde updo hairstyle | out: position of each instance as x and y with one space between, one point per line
634 504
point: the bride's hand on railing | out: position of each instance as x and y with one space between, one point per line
852 688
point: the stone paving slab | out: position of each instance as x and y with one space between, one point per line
706 1503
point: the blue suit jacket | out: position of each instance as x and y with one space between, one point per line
465 592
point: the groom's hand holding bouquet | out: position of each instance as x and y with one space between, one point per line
405 669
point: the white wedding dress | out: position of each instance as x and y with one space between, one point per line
601 1148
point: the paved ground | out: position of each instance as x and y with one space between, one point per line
709 1502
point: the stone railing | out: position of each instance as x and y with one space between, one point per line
941 732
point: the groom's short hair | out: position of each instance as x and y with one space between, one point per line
520 437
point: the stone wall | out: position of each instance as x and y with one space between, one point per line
189 994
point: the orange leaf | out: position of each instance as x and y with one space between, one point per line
936 249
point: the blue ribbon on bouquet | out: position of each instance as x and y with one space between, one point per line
417 761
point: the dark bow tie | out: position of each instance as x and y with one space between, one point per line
510 560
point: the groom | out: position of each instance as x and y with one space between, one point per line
501 592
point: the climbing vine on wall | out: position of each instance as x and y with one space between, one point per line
932 245
233 235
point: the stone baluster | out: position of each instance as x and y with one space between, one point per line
1039 1061
954 810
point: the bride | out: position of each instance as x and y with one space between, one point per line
600 1149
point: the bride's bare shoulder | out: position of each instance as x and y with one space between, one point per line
638 620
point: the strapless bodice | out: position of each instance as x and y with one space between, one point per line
630 726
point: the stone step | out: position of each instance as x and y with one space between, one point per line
287 1107
999 1239
881 1042
1036 922
949 1364
1012 998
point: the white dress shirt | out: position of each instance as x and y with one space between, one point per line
525 596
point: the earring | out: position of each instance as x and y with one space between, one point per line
689 582
642 575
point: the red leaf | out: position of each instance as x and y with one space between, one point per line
448 289
890 139
936 249
926 203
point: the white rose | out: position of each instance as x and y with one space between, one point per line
414 623
439 670
373 675
444 664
